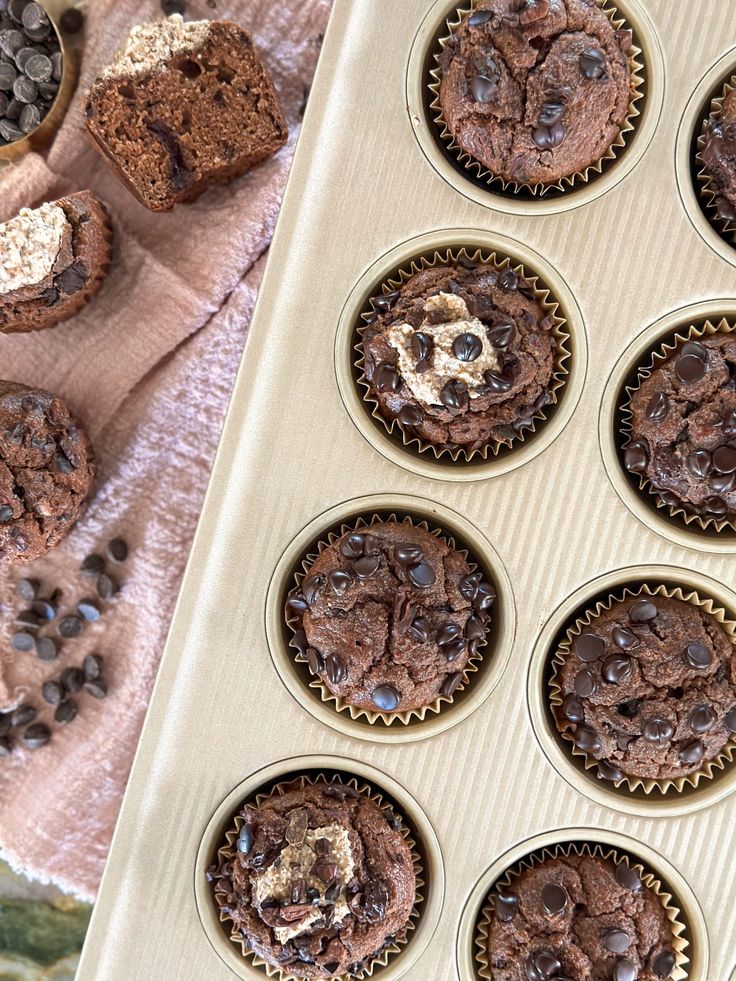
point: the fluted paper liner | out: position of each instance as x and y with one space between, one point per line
629 782
356 711
667 900
227 852
480 173
544 297
708 194
666 350
42 136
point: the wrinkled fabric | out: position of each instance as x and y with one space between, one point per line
147 367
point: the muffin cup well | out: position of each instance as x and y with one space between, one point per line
542 294
481 174
357 712
664 352
680 943
632 783
708 195
227 853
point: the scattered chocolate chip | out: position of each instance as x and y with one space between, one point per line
106 586
542 965
467 347
36 735
625 970
572 709
310 588
409 415
422 575
96 688
627 877
407 554
616 669
246 839
702 718
46 649
334 669
88 610
454 394
367 566
480 17
625 639
340 580
496 382
22 641
692 753
51 692
44 609
508 280
501 335
506 905
548 137
585 683
386 698
117 550
93 565
642 612
587 740
72 679
729 719
657 730
699 463
453 650
386 378
664 963
724 459
27 589
636 458
554 898
593 63
22 715
386 302
609 771
589 647
65 712
451 683
70 626
698 656
419 630
658 407
483 88
690 368
28 620
616 940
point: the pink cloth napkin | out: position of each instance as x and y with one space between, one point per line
148 367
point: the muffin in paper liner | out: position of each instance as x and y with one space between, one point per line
475 169
227 852
541 293
675 508
708 195
358 712
628 781
668 901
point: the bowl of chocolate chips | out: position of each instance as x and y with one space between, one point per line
36 77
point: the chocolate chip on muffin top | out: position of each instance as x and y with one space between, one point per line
536 90
718 155
389 616
649 688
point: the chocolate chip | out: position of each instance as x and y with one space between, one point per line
573 709
480 17
386 302
506 906
117 550
352 546
542 965
28 620
409 415
88 610
39 68
106 586
340 580
65 712
469 585
22 715
451 683
609 771
367 566
690 369
616 940
421 347
334 669
698 656
8 75
246 839
589 647
454 394
729 719
467 347
629 709
722 483
419 630
625 970
22 641
501 335
93 565
422 575
475 628
407 553
72 279
548 137
627 877
636 458
6 513
96 688
658 407
625 639
72 20
642 612
92 667
699 463
616 669
587 740
485 596
585 683
36 735
483 88
9 131
551 113
593 63
692 753
72 679
453 650
46 649
314 660
70 626
702 718
508 281
664 963
386 378
51 692
386 698
724 459
310 588
30 118
554 899
496 382
447 632
657 730
25 90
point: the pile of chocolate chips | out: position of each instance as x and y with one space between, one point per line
31 66
40 626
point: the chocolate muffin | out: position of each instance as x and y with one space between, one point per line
46 469
535 91
718 156
184 105
461 356
389 616
320 880
649 689
53 260
682 439
578 916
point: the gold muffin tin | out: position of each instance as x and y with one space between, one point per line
368 187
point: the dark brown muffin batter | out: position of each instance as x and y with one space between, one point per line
461 355
321 880
46 470
683 428
75 271
649 689
389 616
579 917
719 157
536 90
